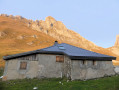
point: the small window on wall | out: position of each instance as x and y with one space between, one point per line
23 65
84 62
59 58
94 62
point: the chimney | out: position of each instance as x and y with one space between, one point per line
55 43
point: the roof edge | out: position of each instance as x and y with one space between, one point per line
92 58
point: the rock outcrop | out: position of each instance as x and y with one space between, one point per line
115 48
117 41
2 34
58 30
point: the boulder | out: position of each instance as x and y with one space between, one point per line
116 69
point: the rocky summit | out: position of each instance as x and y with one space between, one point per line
117 41
115 49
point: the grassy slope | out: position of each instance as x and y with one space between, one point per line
108 83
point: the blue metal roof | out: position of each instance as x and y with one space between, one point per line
69 50
73 51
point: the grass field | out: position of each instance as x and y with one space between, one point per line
108 83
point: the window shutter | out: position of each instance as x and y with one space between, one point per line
23 65
59 58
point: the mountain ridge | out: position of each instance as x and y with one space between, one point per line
25 35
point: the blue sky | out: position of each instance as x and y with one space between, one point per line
95 20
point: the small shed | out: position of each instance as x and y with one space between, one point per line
57 61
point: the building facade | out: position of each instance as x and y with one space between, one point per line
57 61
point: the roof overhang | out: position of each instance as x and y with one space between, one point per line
58 53
92 58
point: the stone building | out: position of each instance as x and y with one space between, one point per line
58 61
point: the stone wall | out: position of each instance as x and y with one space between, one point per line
67 67
48 67
44 67
12 69
90 71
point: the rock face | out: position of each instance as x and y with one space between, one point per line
2 34
58 30
117 41
13 17
115 48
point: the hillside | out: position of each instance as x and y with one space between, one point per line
18 34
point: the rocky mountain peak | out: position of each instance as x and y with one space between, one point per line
50 19
117 41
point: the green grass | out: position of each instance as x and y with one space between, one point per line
1 71
108 83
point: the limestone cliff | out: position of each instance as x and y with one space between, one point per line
117 41
58 30
115 50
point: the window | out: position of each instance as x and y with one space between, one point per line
94 62
59 58
61 48
23 65
84 62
